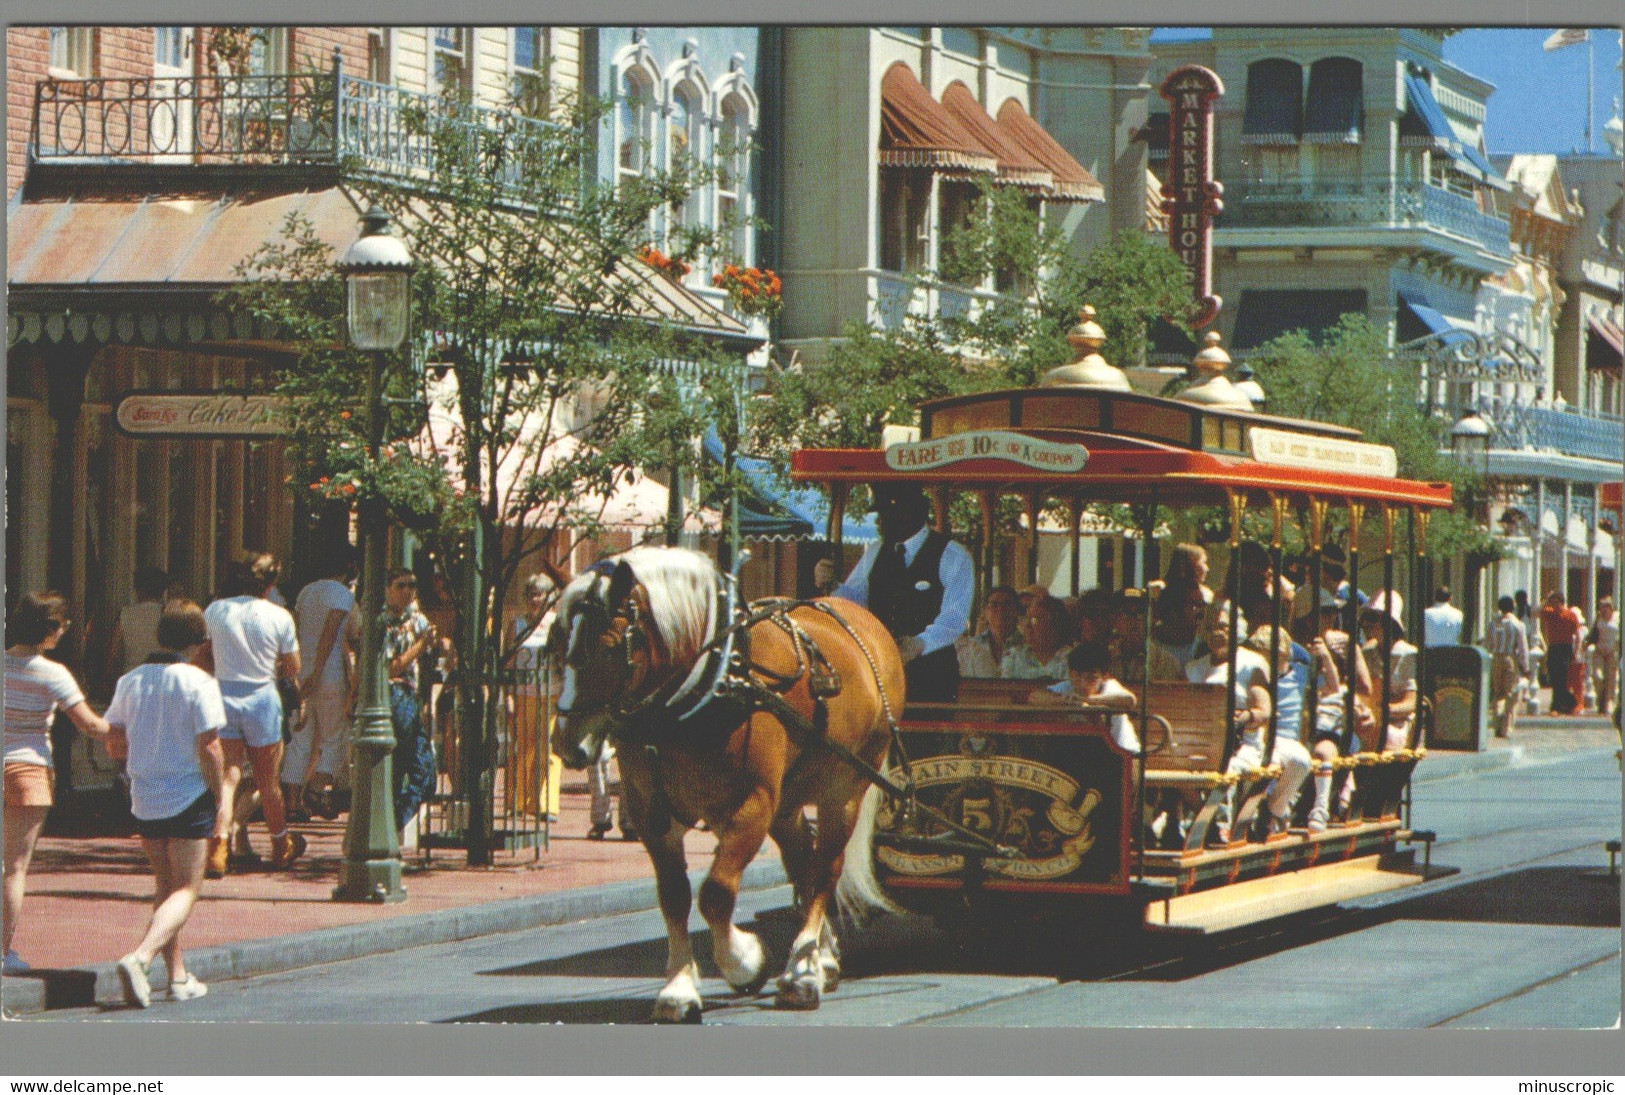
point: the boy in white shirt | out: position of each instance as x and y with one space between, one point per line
1090 682
166 716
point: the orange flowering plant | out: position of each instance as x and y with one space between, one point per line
670 265
752 292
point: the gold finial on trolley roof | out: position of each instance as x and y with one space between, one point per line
1088 369
1212 388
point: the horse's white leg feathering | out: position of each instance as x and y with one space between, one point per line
741 959
679 1001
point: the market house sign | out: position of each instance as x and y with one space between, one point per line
987 445
1191 197
227 415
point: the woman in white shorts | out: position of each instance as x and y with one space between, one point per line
251 643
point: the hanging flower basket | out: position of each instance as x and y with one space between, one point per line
751 291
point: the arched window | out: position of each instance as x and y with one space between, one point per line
1334 119
686 144
1272 124
634 136
733 176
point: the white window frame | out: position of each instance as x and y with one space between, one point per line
637 89
541 75
463 54
268 51
72 53
165 84
381 55
737 113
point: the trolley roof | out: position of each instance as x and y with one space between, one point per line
1123 447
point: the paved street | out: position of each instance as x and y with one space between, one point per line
1526 935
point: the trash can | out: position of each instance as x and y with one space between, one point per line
1457 681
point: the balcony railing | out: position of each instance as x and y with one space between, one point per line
1375 203
272 119
1517 426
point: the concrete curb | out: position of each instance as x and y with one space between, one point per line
1440 765
85 986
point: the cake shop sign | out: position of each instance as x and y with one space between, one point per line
1191 197
202 415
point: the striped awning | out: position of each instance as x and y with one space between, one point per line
1335 112
1274 111
1017 166
1424 124
1073 182
1612 336
1156 135
918 131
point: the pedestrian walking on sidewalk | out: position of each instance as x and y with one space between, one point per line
528 749
166 718
317 751
1560 630
36 689
252 643
1603 643
1509 647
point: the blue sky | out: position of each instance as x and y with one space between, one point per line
1539 99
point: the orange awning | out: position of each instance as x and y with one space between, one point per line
1072 180
917 131
1017 166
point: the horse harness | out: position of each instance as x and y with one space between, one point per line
736 687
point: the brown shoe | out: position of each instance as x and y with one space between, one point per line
219 852
285 849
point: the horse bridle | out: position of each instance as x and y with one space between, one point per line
623 629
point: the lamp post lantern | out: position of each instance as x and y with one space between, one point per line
377 272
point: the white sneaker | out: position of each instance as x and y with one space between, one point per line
133 973
1317 820
15 964
189 989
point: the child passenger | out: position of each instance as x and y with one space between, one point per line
165 717
1089 681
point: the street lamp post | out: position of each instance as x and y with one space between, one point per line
377 272
1470 445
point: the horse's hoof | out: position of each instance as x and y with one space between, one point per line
832 975
750 967
686 1013
802 994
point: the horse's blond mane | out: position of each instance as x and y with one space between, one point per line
682 592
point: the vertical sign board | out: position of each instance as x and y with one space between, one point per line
1191 197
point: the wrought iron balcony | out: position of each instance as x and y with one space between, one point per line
1520 426
1373 203
305 118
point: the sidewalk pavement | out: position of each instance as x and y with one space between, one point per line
88 897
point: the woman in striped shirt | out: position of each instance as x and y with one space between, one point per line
36 688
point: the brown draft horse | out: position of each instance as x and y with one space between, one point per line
637 635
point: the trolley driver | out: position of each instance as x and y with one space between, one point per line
919 583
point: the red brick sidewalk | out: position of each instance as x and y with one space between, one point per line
88 897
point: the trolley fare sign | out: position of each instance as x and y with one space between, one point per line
1017 448
224 415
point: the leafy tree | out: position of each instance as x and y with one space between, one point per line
537 383
1349 377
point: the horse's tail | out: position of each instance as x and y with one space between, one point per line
858 894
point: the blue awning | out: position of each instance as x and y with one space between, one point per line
1433 319
1264 314
1274 111
1424 123
777 512
1335 112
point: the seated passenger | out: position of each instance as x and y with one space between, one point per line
1251 711
1128 647
1091 616
981 652
1089 681
1383 622
1289 751
1329 649
1176 622
1043 657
